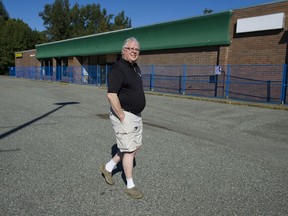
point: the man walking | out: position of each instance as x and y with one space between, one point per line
127 101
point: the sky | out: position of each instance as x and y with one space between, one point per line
142 13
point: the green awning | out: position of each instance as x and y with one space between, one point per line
206 30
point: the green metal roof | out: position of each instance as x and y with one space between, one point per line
207 30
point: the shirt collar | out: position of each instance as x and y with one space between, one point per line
133 65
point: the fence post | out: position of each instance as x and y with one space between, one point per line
223 83
284 84
152 78
268 91
184 79
216 85
180 85
227 81
98 75
106 74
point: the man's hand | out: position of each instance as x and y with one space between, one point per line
116 106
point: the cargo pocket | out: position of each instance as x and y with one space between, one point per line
122 137
129 136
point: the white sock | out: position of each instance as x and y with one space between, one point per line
110 165
130 183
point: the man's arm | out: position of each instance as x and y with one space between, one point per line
116 106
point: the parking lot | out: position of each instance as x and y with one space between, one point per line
198 157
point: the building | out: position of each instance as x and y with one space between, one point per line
254 35
215 38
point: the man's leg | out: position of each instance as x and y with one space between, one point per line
127 162
107 169
128 159
114 161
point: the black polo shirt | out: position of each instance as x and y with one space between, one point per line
125 80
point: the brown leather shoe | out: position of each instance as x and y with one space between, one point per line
134 192
107 175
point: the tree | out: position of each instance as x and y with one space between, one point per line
121 22
15 35
93 20
56 19
4 16
61 22
207 11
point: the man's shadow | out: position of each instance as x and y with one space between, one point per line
119 167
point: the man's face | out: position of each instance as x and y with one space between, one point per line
131 51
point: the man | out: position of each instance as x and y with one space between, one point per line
127 101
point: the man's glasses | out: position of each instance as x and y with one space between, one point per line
132 49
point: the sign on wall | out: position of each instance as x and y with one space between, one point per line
18 55
260 23
217 70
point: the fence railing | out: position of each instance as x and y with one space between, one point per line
261 83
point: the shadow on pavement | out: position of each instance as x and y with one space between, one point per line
61 105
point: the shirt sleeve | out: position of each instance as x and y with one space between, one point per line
115 79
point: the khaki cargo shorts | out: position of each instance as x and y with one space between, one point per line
129 132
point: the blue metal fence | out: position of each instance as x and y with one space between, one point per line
261 83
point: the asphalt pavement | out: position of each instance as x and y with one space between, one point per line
198 157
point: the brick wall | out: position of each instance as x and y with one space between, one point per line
28 59
263 47
194 56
